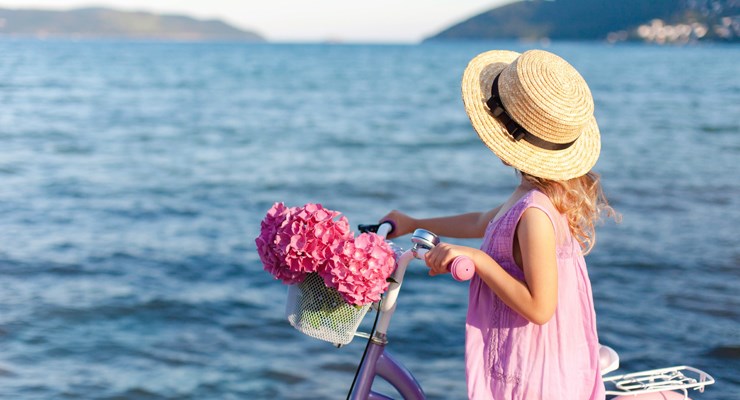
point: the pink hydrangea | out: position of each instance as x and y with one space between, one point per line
311 237
361 270
271 254
294 242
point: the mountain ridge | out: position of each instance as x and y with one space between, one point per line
655 20
101 22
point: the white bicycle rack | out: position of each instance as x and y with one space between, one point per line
672 383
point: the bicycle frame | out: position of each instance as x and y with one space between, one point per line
378 361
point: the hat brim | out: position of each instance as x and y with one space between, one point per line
560 165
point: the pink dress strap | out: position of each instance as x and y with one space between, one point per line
509 358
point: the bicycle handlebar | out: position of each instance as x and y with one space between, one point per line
383 229
461 268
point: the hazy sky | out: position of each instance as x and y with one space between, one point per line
296 20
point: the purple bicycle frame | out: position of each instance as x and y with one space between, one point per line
378 361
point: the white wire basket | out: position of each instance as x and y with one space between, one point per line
321 312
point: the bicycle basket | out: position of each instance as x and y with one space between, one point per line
320 312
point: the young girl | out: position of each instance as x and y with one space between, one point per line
530 328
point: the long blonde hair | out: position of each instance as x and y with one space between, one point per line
581 200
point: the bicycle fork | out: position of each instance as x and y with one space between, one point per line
379 362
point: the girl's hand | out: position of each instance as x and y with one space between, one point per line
440 257
403 223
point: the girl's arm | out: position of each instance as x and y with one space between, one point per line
536 297
470 225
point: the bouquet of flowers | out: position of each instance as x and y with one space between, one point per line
334 276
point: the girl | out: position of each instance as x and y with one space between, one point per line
530 327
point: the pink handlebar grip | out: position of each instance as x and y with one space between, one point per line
462 268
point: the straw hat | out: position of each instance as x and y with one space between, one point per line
538 117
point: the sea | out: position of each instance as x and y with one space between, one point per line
134 176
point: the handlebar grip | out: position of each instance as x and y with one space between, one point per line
388 229
462 268
383 229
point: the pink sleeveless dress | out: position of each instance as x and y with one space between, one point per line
509 358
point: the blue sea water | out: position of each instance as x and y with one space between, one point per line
134 175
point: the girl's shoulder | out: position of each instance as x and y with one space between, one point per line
535 198
512 211
539 200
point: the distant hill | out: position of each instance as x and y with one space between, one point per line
107 23
649 20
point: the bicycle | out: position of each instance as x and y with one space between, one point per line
671 383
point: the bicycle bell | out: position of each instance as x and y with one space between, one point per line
423 241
